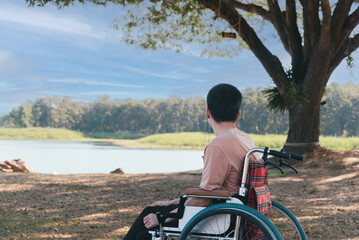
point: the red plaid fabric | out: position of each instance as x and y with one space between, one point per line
258 195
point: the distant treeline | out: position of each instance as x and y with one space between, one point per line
339 114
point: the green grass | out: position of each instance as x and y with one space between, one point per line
197 139
187 139
329 142
340 143
271 140
115 135
38 133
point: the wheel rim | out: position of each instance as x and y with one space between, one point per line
286 223
218 223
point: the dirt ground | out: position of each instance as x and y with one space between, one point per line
324 196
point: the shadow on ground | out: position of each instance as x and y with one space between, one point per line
35 206
324 196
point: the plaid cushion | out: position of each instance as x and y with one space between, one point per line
258 195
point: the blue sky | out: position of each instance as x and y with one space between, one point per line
75 52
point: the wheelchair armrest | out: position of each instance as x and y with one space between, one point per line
198 192
178 215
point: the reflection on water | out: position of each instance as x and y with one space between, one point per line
86 157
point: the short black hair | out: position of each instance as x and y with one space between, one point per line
224 102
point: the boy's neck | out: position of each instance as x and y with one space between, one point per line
222 127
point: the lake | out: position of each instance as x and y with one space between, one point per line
93 157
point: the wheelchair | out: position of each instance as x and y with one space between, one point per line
229 218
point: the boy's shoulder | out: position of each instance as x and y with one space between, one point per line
232 139
231 136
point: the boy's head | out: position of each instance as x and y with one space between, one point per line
224 102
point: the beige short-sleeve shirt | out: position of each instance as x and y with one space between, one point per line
223 159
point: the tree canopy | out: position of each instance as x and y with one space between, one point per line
339 116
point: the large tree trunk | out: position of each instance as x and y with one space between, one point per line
303 134
304 114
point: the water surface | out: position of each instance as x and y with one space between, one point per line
88 157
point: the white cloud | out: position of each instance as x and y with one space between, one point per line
9 63
98 83
37 18
124 94
5 56
201 70
5 86
173 75
102 93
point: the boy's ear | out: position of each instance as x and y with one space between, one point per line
239 115
208 114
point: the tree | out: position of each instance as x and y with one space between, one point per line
316 50
317 34
339 116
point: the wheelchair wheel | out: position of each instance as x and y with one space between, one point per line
286 223
229 221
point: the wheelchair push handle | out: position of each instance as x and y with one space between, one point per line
285 155
280 155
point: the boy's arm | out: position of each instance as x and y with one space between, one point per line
151 220
215 170
165 203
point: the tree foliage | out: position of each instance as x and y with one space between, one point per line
340 114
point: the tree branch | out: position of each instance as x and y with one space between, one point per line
278 23
294 37
340 14
326 13
311 26
252 8
350 45
325 38
351 22
271 63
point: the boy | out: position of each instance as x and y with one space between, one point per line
223 157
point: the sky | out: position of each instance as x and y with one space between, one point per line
76 52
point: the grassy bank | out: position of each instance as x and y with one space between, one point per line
115 135
185 140
37 133
40 133
199 140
